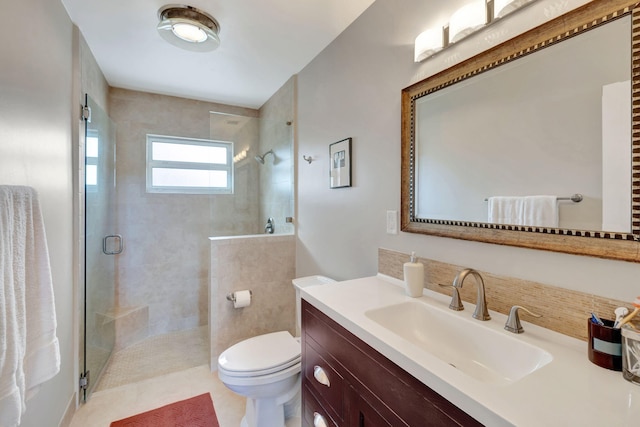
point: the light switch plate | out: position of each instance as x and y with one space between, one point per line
392 222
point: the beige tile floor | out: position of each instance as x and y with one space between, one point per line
156 356
120 402
156 372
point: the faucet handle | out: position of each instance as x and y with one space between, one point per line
513 321
456 303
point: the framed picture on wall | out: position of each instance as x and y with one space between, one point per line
340 158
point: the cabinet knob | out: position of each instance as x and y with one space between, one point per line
321 376
319 420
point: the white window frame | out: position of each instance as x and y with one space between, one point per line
151 164
92 161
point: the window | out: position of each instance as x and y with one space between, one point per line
91 160
183 165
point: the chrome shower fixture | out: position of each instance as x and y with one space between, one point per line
260 159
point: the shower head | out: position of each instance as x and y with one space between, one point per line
260 159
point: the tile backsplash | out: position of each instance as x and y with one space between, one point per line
563 310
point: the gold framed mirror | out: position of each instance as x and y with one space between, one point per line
580 238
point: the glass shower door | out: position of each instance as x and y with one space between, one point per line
101 246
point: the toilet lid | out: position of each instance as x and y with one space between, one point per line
261 355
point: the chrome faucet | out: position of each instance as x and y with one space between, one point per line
456 303
481 312
513 321
270 227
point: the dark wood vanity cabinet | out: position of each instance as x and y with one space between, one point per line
346 383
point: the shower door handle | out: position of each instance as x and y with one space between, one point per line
105 244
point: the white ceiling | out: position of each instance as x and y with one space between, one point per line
263 43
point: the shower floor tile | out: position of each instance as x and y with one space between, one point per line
156 356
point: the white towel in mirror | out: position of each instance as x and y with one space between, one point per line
540 211
535 211
505 210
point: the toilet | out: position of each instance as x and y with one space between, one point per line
266 370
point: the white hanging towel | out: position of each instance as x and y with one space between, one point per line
505 210
535 211
29 348
540 211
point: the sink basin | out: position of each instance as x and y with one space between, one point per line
473 348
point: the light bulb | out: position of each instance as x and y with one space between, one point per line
188 32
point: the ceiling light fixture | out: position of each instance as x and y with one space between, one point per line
188 28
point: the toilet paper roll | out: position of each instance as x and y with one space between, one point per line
242 299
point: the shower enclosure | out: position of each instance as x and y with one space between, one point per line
161 280
101 245
263 165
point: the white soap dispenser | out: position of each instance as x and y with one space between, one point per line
413 277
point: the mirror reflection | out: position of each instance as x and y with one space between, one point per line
554 123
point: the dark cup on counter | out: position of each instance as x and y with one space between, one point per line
605 345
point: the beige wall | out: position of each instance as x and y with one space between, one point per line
263 264
339 231
276 175
37 126
238 214
93 81
166 258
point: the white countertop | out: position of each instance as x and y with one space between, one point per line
568 391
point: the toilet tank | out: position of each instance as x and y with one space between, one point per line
303 282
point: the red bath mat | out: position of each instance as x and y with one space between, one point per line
194 412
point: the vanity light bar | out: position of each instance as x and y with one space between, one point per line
468 19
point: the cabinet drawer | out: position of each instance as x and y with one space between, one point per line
320 376
387 393
312 411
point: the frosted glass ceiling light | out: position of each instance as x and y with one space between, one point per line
504 7
189 33
188 28
427 43
467 19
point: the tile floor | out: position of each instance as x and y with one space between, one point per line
113 404
158 371
156 356
155 372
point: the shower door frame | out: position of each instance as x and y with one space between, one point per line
89 374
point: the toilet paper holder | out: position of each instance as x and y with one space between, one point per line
232 296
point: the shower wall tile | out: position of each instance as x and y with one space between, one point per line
165 263
264 264
276 175
243 206
132 327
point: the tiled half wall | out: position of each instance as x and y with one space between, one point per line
264 264
562 310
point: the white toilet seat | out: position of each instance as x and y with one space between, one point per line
260 373
261 356
235 380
